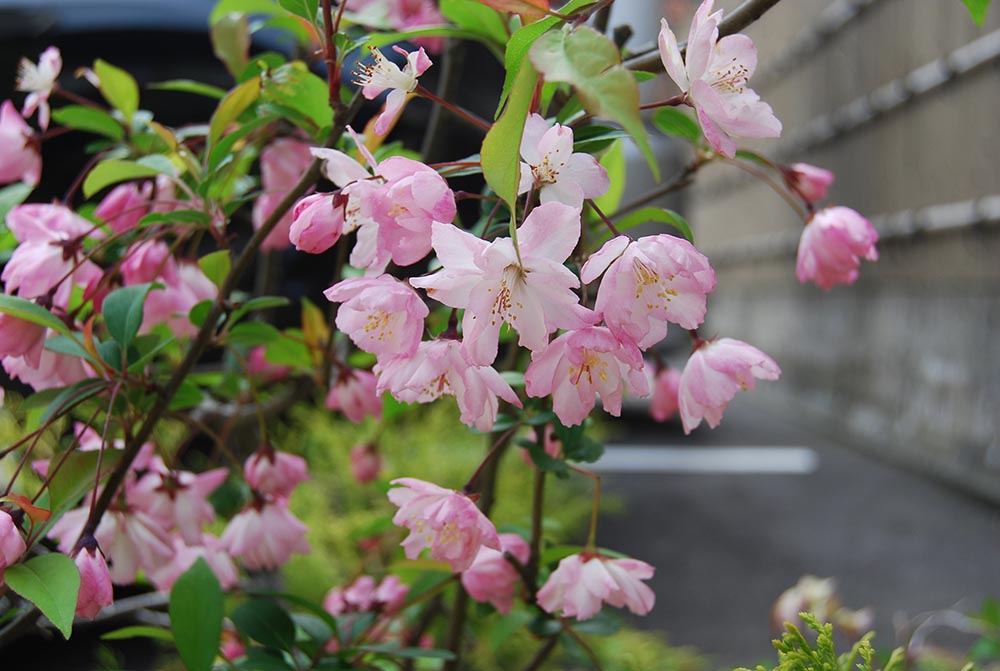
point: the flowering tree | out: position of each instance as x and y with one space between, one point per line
526 314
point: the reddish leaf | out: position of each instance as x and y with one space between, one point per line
530 10
24 503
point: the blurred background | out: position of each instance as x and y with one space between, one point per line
876 458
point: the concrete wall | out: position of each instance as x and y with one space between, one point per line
901 98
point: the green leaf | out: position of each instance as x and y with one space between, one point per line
231 42
11 196
261 659
593 139
199 313
122 310
216 266
648 214
672 121
89 119
29 312
614 162
305 8
250 334
138 632
196 616
118 88
592 64
293 86
188 395
114 170
266 622
52 583
258 303
977 9
222 149
505 627
288 351
72 396
77 476
501 160
223 7
230 107
175 217
189 86
521 41
476 18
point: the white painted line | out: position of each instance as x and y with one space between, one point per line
739 460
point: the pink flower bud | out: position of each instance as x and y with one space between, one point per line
492 578
317 223
832 245
809 181
95 580
11 544
125 205
275 473
366 462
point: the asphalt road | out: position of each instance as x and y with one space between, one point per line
726 544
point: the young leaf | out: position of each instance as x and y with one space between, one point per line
266 622
72 396
138 631
476 18
500 156
530 10
231 42
293 86
234 104
216 266
977 9
115 170
51 582
672 121
196 616
122 310
190 86
89 119
304 8
250 334
118 88
592 64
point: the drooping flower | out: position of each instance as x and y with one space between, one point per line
381 315
316 223
664 403
808 181
11 543
716 371
208 548
442 520
551 166
384 75
178 499
534 296
38 81
282 163
491 578
364 595
832 245
95 580
579 365
20 159
125 205
366 462
186 285
264 535
439 367
649 282
275 473
354 394
21 338
714 76
580 584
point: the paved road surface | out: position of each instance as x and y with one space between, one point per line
726 544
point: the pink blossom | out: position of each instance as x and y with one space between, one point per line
178 499
551 166
20 338
665 402
232 647
381 315
275 473
95 580
38 81
51 369
185 286
207 547
808 181
491 578
125 205
366 462
581 364
20 159
439 368
258 365
363 595
316 223
534 296
832 245
443 520
282 163
649 282
354 394
384 75
714 76
11 543
581 583
716 371
264 535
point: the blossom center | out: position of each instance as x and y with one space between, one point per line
646 277
384 74
593 364
506 305
547 172
378 325
731 79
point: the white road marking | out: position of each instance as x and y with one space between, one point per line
792 460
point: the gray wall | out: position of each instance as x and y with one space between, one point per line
901 98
